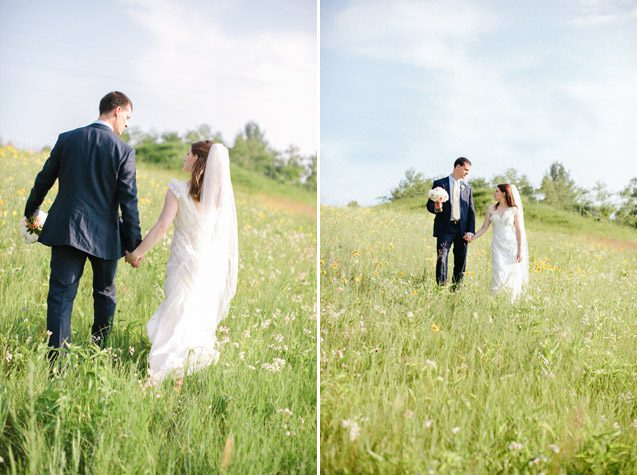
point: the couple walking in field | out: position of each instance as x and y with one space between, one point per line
95 171
451 200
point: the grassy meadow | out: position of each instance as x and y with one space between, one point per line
416 379
253 412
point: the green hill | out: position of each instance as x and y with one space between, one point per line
254 412
417 379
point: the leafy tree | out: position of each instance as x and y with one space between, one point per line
414 184
513 177
252 151
627 213
599 201
559 189
310 178
480 183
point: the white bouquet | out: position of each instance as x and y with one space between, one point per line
29 231
439 195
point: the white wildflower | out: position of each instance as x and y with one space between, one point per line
353 427
554 448
515 446
274 367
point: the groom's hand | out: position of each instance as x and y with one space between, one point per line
468 237
132 260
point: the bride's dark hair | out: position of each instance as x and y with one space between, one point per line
201 149
508 195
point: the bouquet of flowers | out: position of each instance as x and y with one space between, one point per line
30 230
438 194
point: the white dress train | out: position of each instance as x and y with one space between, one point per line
183 329
507 274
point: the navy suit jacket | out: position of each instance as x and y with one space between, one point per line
96 173
467 211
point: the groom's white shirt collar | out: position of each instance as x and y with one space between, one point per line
99 121
452 179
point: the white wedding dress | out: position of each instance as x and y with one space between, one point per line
201 275
507 274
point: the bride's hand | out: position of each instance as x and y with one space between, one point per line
518 258
133 259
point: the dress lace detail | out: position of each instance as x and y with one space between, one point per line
182 330
506 272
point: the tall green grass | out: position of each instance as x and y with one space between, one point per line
417 379
243 415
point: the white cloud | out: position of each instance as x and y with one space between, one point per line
432 34
523 107
212 76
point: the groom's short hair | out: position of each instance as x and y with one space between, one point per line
112 100
461 161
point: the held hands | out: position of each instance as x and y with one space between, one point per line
468 237
133 259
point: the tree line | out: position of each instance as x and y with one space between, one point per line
250 150
557 189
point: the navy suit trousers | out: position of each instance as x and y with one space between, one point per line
67 266
453 236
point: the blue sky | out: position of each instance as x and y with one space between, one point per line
183 64
508 84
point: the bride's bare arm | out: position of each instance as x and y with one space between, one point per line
164 221
518 234
485 225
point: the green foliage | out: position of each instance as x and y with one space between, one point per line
97 416
627 213
513 177
560 190
466 382
413 185
250 151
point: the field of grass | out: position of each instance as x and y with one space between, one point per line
416 379
254 412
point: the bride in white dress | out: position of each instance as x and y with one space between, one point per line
509 248
201 275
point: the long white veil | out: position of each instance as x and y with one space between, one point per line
218 244
525 244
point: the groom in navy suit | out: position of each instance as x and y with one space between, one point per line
96 174
454 223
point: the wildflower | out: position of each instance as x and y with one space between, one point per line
634 424
284 410
428 423
274 367
554 448
455 430
8 356
515 446
431 364
435 328
353 427
356 253
131 350
410 314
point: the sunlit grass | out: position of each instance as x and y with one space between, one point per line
256 409
415 379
